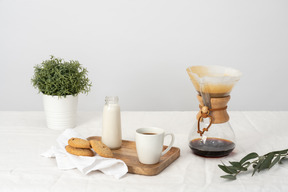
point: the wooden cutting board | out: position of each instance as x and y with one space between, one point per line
128 154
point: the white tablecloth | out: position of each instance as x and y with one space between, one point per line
24 136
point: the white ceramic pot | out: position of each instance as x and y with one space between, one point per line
60 111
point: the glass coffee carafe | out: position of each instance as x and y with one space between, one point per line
212 134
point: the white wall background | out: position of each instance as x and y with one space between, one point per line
139 49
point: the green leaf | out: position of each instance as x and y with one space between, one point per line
246 163
255 169
225 169
267 162
232 169
257 165
238 166
230 177
275 160
248 157
235 164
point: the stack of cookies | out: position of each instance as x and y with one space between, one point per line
82 147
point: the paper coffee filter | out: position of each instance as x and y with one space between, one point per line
217 81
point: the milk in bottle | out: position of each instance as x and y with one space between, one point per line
111 130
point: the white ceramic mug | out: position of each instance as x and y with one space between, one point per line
149 144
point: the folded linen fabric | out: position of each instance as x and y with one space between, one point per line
65 160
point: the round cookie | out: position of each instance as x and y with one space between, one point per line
78 151
101 149
79 143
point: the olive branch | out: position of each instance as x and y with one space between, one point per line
258 163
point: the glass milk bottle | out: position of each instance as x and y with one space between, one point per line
111 130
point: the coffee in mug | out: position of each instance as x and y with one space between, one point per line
149 144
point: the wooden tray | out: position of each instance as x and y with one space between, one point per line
128 154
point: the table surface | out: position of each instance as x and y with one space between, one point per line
24 136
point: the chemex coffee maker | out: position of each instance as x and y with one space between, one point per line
212 134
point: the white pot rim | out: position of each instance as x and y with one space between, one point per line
61 96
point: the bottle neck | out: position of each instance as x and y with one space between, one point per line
111 100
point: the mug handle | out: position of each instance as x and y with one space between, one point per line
170 145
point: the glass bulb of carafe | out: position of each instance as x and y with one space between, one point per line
219 141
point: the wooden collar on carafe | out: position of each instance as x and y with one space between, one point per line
206 110
205 113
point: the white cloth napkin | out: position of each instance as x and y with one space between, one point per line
65 160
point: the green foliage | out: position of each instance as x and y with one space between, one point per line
60 78
262 162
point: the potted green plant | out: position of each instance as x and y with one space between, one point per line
60 82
